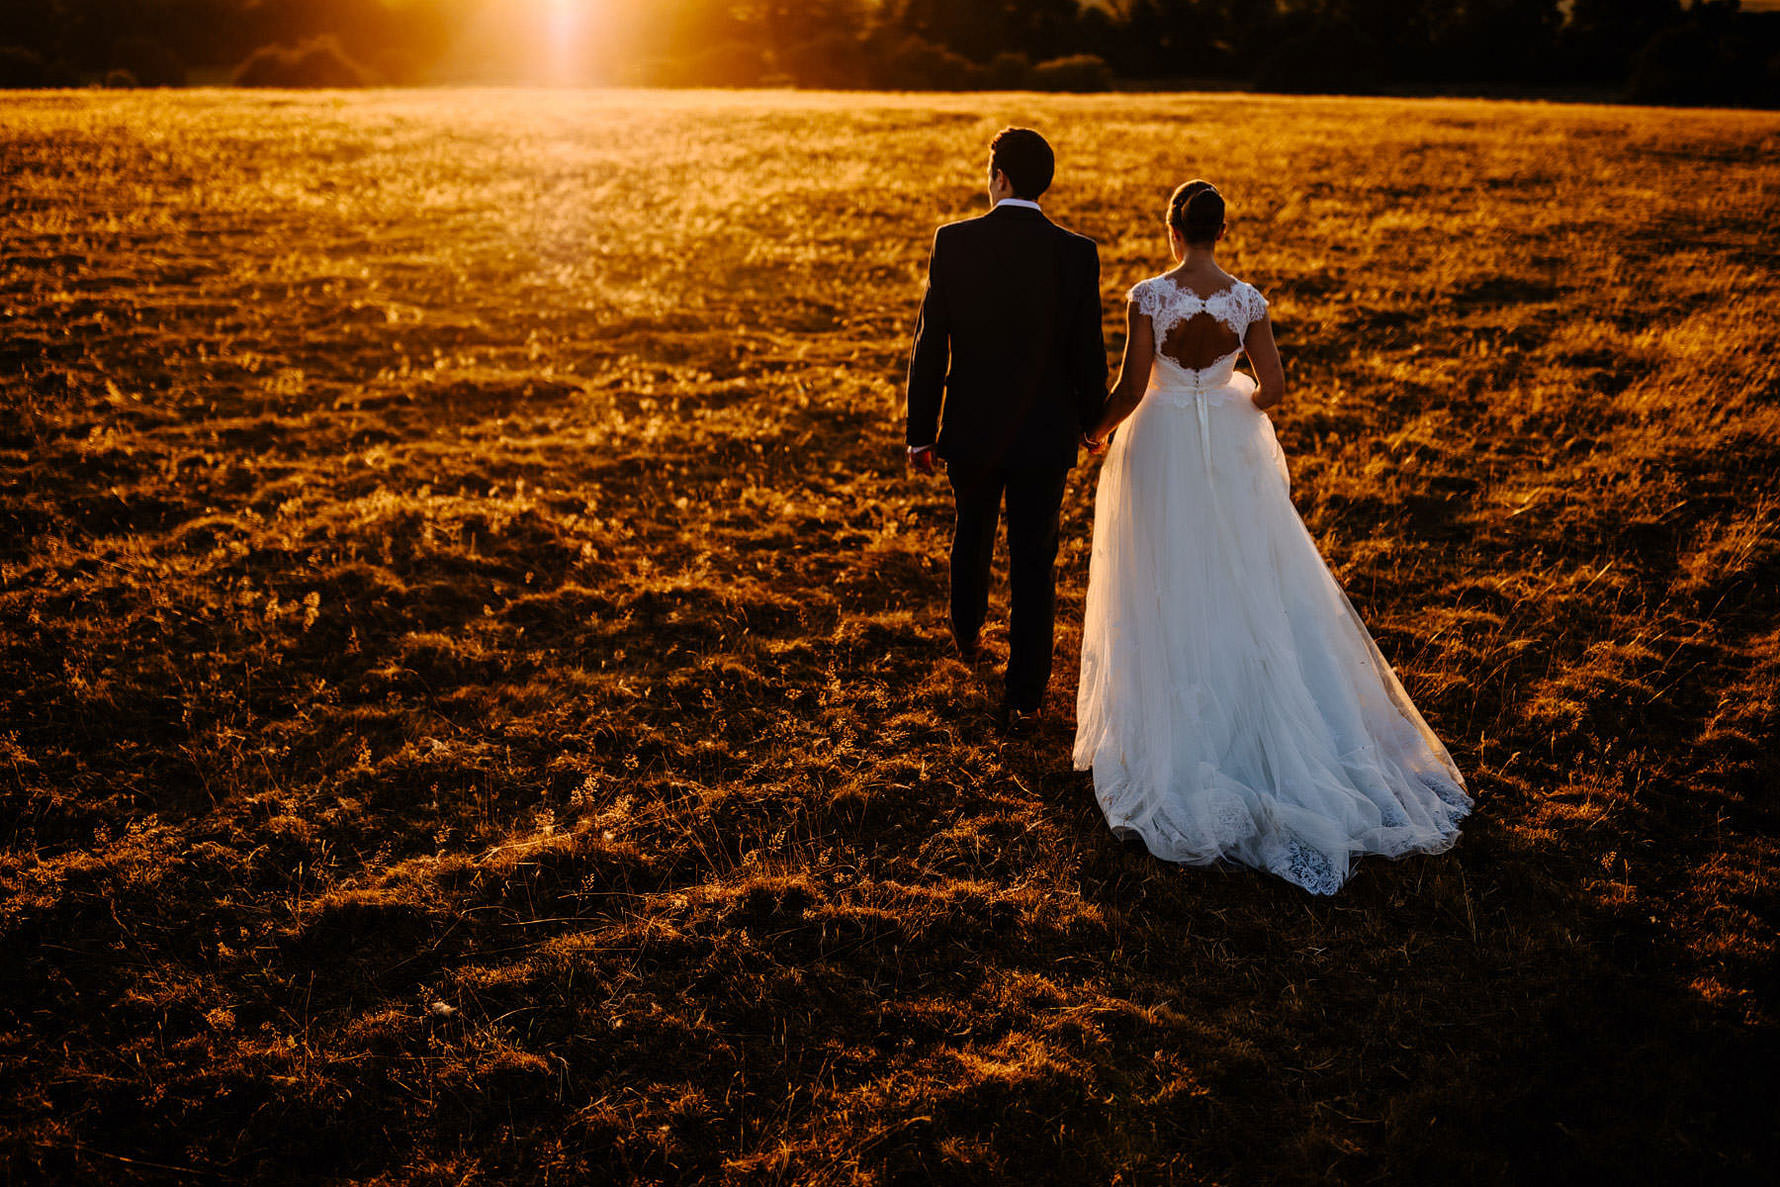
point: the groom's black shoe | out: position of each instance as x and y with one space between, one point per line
1019 723
968 650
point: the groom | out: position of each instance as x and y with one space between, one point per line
1008 373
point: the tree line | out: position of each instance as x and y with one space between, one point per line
1663 51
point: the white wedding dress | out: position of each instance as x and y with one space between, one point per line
1232 705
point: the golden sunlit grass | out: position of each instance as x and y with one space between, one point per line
473 702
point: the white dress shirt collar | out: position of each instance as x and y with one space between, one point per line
1026 202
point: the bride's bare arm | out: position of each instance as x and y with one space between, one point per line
1263 354
1134 373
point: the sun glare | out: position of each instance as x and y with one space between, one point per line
555 43
565 37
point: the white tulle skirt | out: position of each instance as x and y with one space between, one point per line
1232 705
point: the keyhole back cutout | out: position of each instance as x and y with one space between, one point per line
1198 341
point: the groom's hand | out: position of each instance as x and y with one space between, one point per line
922 459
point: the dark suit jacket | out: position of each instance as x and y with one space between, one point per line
1009 365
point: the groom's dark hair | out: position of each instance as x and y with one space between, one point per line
1026 158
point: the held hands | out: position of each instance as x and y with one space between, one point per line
924 460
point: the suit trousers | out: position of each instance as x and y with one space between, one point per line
1034 502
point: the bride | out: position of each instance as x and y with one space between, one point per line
1232 705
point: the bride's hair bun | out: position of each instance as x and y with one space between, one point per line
1197 211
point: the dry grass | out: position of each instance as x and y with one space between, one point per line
472 703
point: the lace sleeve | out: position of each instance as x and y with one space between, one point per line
1257 304
1141 294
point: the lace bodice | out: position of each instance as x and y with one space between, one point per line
1168 305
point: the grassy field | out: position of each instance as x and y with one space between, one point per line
473 695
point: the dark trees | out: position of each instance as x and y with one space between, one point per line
1652 50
